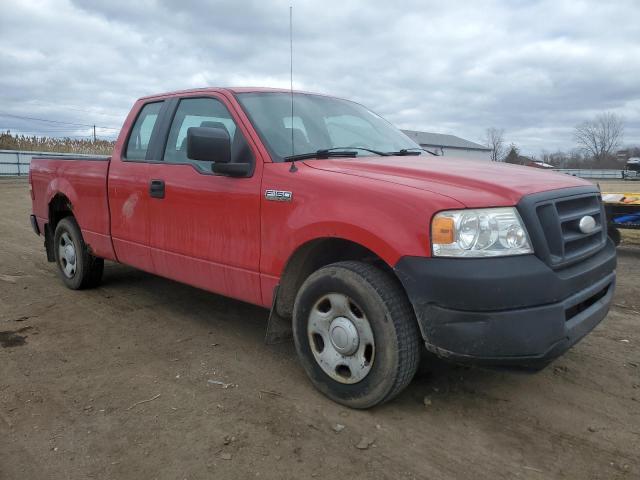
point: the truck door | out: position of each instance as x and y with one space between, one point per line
129 186
205 228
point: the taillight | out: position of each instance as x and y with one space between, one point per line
33 197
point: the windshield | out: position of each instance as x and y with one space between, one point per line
319 123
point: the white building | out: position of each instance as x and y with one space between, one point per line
449 145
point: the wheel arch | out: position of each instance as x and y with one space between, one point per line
315 254
59 207
61 197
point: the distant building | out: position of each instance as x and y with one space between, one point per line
538 164
623 155
449 145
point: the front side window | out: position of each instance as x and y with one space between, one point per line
141 132
319 123
202 112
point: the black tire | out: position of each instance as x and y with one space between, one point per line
391 318
87 271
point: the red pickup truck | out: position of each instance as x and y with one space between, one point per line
319 209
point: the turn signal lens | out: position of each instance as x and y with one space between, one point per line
442 230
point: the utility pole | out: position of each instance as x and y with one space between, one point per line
94 134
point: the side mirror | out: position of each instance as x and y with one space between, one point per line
209 144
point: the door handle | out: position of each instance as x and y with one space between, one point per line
156 188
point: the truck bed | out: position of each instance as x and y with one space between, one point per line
84 180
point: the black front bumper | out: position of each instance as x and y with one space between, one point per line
512 311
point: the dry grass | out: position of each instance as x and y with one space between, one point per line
49 144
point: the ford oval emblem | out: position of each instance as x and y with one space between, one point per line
587 224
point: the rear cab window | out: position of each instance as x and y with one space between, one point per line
142 131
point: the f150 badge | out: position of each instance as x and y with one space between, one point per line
278 195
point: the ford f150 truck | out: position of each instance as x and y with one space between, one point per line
327 214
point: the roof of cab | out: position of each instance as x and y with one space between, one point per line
228 89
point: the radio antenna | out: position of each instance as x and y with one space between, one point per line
293 167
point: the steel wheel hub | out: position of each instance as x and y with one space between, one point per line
341 338
344 336
70 254
67 255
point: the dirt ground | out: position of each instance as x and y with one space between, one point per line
113 383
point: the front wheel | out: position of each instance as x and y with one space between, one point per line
76 266
356 334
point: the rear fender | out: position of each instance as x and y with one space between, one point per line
57 187
61 186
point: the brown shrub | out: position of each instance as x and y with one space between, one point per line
50 144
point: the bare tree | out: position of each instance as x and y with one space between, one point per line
600 137
495 141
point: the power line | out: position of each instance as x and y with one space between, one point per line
40 132
60 137
32 128
55 121
52 134
44 128
73 107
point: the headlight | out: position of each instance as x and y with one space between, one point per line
485 232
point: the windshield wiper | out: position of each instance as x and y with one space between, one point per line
332 152
377 152
411 151
326 153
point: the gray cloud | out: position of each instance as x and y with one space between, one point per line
534 68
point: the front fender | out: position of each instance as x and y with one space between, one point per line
351 232
389 219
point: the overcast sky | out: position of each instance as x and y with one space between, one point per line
534 68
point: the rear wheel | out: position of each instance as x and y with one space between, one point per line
76 266
356 334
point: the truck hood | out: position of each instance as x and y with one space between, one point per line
474 183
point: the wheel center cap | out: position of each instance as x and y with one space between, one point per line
70 254
344 336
